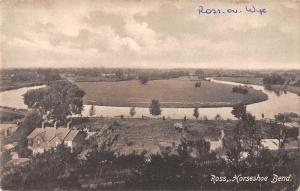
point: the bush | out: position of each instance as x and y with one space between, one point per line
132 111
197 84
155 107
273 79
297 83
292 132
240 89
143 79
52 169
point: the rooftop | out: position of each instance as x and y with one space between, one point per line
48 133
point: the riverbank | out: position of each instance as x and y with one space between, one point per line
10 115
278 88
173 93
6 85
259 81
242 80
274 105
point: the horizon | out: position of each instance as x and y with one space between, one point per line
137 68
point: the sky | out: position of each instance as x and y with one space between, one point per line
149 34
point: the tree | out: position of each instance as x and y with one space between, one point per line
155 107
92 111
278 132
218 117
119 74
197 84
59 99
51 75
282 118
143 79
239 111
199 73
247 133
32 120
202 147
49 170
196 112
274 79
132 111
240 89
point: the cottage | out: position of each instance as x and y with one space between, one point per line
45 138
9 147
7 130
17 162
271 144
218 144
178 126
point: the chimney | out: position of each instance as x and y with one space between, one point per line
55 124
43 124
68 124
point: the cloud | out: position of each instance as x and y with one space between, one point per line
148 34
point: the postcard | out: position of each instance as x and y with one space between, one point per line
150 95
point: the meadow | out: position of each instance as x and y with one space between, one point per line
130 135
172 93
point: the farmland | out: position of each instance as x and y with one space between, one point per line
180 92
152 135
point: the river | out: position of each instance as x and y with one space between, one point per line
285 102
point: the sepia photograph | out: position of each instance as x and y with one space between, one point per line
150 95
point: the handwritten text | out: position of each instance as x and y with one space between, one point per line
247 9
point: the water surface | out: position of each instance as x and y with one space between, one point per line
285 102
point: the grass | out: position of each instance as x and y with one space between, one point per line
294 89
10 115
171 93
152 135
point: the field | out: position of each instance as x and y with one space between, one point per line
10 115
149 136
180 92
152 135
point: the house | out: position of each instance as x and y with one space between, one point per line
7 130
9 147
178 126
293 124
45 138
217 145
17 162
271 144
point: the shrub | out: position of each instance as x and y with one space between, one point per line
197 84
240 89
273 79
196 112
143 79
155 107
132 111
297 83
